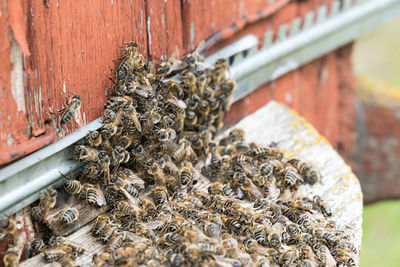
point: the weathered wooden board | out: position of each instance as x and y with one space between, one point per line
277 123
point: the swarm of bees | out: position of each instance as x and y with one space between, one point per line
178 194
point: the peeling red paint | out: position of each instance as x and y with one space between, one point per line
27 147
16 19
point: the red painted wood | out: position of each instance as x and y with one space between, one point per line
164 22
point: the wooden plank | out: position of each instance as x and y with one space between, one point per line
277 123
164 28
72 54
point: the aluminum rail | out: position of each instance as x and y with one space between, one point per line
21 182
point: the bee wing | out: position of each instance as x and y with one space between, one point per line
132 236
100 199
154 224
273 191
132 201
177 102
278 228
286 195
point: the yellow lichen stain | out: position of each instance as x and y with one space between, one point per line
295 123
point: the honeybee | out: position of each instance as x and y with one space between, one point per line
11 257
189 80
109 232
234 135
72 186
288 257
249 189
84 153
167 135
69 215
134 180
275 235
126 187
127 208
47 201
149 207
320 205
310 175
103 259
94 138
160 195
54 254
37 246
291 177
69 112
186 175
175 224
324 255
116 241
219 188
94 195
265 152
260 235
130 112
101 223
10 230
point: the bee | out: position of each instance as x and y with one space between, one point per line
54 254
160 195
10 230
94 138
177 260
275 235
84 153
116 241
320 205
72 186
126 208
126 186
324 255
249 189
95 196
37 246
103 259
234 135
130 112
265 152
109 233
291 177
180 151
211 249
125 141
69 112
288 257
190 82
310 175
69 215
11 257
47 201
175 224
167 135
72 247
101 223
260 235
186 175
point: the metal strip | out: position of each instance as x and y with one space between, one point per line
327 34
21 182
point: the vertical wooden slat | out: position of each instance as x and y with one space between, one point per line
164 21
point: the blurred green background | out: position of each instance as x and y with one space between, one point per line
377 55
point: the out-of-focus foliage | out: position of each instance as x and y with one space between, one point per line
377 56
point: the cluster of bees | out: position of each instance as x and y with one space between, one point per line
177 194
